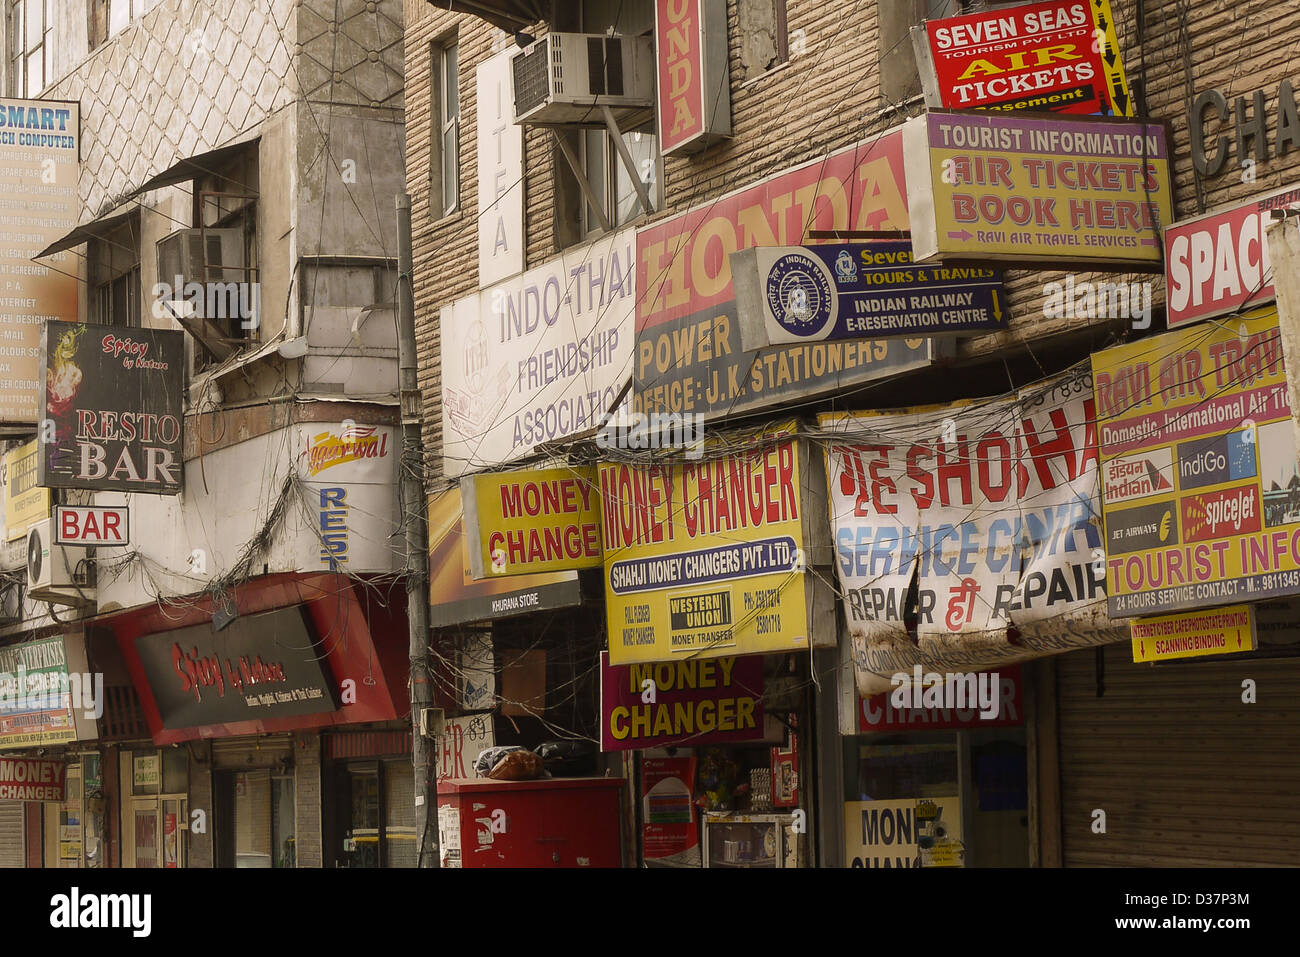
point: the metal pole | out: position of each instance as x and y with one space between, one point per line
417 544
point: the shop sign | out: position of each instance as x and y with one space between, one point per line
92 525
670 834
686 703
457 598
26 503
1019 189
1252 122
32 779
531 520
42 144
1214 401
500 173
704 560
909 832
146 771
814 293
114 407
258 667
1218 263
1058 57
463 739
689 353
35 697
539 357
345 451
349 472
691 56
1218 631
969 520
878 713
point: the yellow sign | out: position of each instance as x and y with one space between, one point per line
897 833
534 520
1044 188
705 558
1219 631
26 503
1200 480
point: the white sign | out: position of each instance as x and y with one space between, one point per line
91 525
461 742
477 687
500 175
539 357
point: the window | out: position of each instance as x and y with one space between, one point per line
31 63
444 154
113 267
110 17
764 36
596 150
899 79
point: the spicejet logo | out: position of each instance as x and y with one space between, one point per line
1234 511
353 443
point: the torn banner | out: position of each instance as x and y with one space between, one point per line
977 527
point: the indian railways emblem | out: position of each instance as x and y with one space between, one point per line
845 269
799 295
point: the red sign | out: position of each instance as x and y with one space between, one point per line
1233 511
683 703
681 83
31 779
1219 263
91 525
1053 57
878 713
670 834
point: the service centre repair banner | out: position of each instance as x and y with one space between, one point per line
989 510
1198 459
705 559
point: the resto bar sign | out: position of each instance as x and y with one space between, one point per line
1042 189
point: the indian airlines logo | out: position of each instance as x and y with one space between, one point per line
1138 476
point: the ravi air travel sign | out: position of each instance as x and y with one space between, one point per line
1059 57
1039 189
705 559
532 520
1206 510
40 148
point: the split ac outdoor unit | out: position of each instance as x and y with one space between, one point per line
56 573
205 257
565 78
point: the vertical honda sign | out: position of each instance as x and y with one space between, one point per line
694 84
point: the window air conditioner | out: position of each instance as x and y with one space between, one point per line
213 261
563 79
56 573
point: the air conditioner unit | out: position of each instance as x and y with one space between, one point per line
563 79
56 573
194 261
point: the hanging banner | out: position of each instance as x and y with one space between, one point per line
970 519
500 157
704 560
42 147
691 58
1053 190
689 354
838 291
115 407
1219 631
531 520
1213 401
1058 57
1218 263
26 503
35 695
686 703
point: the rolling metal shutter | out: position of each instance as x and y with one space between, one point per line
1187 774
11 834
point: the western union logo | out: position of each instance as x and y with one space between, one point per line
710 610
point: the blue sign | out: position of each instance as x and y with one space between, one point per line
860 291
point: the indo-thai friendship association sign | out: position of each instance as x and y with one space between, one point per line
790 294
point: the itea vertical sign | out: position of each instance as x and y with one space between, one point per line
39 152
500 175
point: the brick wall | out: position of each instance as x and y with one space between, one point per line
307 799
202 852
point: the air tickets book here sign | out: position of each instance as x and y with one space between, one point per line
705 559
1043 189
1199 476
1061 57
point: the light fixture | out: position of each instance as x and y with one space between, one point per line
293 348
